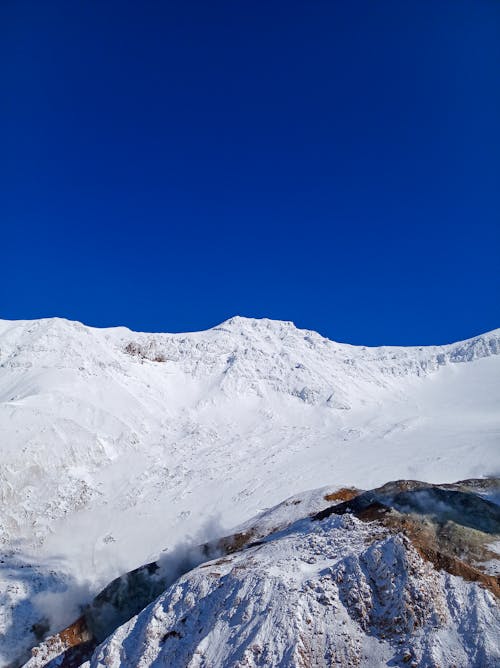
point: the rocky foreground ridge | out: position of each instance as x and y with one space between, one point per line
403 575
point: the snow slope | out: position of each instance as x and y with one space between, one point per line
116 444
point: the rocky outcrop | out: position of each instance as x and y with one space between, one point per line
451 526
376 576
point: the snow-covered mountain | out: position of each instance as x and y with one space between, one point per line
116 444
296 603
401 575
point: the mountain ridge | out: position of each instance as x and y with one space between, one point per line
231 322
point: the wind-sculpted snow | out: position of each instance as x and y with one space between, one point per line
114 443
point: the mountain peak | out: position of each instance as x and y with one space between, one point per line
244 322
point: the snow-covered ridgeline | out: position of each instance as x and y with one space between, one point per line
255 351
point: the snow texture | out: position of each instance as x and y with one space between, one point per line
116 445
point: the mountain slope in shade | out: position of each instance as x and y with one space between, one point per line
115 443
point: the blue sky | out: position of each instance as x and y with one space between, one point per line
166 165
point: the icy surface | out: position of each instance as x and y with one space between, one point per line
116 445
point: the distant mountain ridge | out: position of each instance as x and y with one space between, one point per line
259 350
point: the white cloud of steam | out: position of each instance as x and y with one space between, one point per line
61 608
190 552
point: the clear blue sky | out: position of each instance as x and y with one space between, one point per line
166 165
